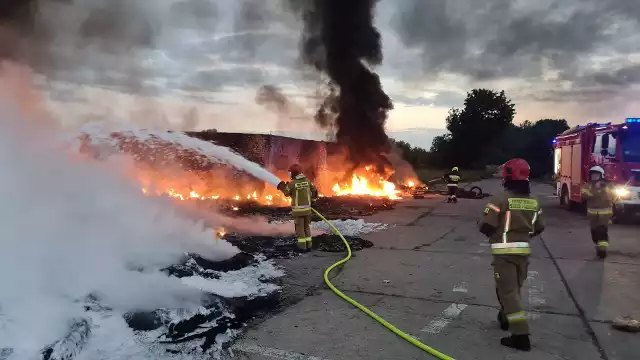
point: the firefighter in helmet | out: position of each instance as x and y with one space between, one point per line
598 195
452 179
302 192
509 221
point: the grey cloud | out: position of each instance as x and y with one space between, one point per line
590 95
441 99
497 39
620 77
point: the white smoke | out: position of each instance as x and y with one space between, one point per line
72 228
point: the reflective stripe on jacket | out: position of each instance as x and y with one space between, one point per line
516 218
599 197
452 179
301 191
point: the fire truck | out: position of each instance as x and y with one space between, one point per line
616 148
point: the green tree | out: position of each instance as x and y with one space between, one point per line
537 146
473 129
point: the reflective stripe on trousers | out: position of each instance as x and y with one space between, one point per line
516 317
515 248
603 211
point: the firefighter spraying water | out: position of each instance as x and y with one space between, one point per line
302 192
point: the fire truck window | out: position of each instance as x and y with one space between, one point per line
608 145
612 144
597 145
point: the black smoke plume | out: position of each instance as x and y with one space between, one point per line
340 40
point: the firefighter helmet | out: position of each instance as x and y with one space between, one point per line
455 168
597 169
295 170
516 169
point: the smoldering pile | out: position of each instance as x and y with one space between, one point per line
235 291
331 207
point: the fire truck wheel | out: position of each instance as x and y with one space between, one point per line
565 201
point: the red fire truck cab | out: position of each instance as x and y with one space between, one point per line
616 148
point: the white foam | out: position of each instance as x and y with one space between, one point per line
99 134
71 228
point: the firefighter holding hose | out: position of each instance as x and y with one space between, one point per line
509 221
453 180
599 197
302 192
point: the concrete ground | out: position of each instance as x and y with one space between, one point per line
430 276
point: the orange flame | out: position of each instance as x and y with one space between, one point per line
366 183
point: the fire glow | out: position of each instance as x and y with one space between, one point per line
368 184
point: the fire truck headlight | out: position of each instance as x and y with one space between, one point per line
622 192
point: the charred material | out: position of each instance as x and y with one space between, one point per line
71 344
336 207
218 315
285 247
475 192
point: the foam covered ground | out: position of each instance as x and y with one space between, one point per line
92 269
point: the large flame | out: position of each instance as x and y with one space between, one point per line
166 169
365 183
360 185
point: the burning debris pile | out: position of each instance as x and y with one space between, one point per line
187 168
339 207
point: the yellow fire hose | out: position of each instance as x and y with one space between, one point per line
382 321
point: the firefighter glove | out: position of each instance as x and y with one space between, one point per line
282 185
488 230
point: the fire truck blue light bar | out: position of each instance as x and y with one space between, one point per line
632 120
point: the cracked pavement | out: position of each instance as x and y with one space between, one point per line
430 275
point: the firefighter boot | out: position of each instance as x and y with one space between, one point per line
518 342
301 246
502 320
455 199
449 200
601 249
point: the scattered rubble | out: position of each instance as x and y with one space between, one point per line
335 207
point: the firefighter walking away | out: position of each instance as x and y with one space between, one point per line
302 192
452 179
510 220
598 195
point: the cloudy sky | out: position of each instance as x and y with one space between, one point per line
199 63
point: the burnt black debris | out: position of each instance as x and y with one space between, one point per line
285 247
71 344
333 208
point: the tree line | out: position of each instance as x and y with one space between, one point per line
482 133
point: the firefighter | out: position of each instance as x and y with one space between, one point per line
302 192
509 221
452 179
598 195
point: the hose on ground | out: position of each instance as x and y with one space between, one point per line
364 309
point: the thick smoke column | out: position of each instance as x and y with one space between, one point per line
340 40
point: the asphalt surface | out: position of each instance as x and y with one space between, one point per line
430 275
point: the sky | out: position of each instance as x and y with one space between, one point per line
197 64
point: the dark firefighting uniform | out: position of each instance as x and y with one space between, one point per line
453 180
509 221
599 198
301 191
